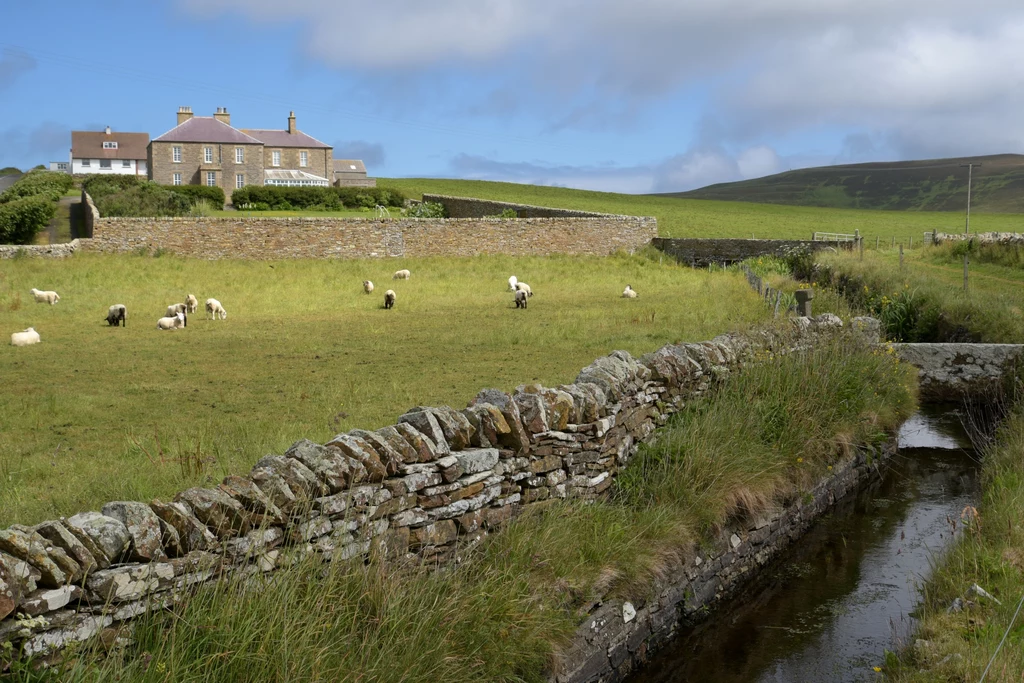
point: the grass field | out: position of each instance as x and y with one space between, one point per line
705 218
94 414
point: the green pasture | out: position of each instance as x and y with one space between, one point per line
94 413
707 218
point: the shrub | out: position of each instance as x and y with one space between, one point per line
50 184
426 210
316 198
10 170
102 185
213 195
21 219
148 199
202 207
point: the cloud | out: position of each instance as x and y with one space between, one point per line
14 64
763 69
371 153
26 147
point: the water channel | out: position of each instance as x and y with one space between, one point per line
843 594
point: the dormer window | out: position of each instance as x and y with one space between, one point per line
109 145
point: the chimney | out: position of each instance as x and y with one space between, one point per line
292 130
108 130
184 114
223 115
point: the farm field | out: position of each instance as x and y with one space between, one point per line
706 218
94 414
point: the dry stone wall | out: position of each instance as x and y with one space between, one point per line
43 250
700 252
469 207
436 481
1014 238
332 237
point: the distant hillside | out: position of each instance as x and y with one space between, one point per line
929 185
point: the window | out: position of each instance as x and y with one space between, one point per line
208 154
239 180
62 166
239 155
126 163
176 154
303 158
276 156
86 162
104 163
109 145
211 178
177 179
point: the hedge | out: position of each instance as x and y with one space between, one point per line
50 184
147 199
214 195
21 219
315 198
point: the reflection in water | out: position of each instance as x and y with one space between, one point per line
829 609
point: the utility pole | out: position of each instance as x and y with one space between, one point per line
970 171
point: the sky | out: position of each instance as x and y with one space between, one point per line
638 96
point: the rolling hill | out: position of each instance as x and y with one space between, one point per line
928 185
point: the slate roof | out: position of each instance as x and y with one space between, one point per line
206 129
349 166
282 138
87 144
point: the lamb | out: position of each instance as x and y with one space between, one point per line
367 286
512 283
628 293
191 303
171 322
214 309
401 275
520 299
174 309
25 337
45 297
523 287
389 299
116 314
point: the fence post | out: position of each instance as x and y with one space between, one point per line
911 242
803 302
893 241
901 255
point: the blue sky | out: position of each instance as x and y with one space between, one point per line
639 96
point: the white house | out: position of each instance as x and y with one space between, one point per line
108 152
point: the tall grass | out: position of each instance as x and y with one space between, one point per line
95 413
517 598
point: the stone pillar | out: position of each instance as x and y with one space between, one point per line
803 302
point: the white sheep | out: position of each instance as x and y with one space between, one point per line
367 286
512 283
45 297
25 337
401 275
628 293
191 303
175 309
389 299
523 287
171 322
520 298
215 310
116 314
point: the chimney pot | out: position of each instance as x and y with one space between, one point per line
108 130
222 115
184 114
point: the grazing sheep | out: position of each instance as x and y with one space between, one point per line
25 337
214 309
174 309
171 322
389 299
401 275
628 293
116 314
523 287
367 286
520 299
512 283
191 303
45 297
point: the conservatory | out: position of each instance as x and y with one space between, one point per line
282 178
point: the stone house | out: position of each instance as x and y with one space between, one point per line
352 173
208 150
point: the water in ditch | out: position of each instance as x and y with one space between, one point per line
844 593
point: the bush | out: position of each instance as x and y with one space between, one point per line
10 170
147 199
102 185
426 210
22 219
50 184
213 195
316 198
